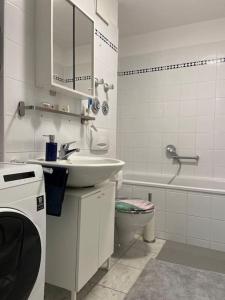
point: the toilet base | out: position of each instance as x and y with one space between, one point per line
129 225
150 242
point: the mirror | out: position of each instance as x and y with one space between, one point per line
73 40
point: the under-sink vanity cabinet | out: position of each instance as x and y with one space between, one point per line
81 240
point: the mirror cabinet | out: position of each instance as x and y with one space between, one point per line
65 48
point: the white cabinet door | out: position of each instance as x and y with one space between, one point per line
106 223
88 239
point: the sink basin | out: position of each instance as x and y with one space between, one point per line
86 171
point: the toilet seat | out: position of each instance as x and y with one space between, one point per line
123 207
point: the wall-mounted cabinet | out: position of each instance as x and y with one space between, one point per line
64 48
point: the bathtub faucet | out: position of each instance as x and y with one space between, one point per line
171 152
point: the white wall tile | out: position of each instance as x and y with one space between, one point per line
220 140
158 198
219 157
19 65
204 140
140 192
187 124
18 26
221 71
176 201
19 134
125 191
188 108
199 205
205 107
188 91
175 223
218 231
220 106
16 91
219 123
205 124
206 90
204 170
206 72
219 171
187 140
220 89
169 124
172 108
218 207
154 168
199 228
155 109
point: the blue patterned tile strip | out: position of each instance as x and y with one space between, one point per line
172 67
67 80
105 40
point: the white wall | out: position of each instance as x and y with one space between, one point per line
172 38
23 137
184 107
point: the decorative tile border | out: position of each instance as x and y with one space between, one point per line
58 78
79 78
150 70
172 67
107 41
67 80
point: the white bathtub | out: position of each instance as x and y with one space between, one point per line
198 184
190 210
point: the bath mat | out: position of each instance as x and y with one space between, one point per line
193 256
162 280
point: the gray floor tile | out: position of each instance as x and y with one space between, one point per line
103 293
120 278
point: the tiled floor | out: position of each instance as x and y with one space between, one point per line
126 266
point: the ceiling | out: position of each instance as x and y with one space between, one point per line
142 16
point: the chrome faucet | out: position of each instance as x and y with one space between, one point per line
65 152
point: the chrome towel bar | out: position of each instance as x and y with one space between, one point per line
22 110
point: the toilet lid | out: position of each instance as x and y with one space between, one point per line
134 206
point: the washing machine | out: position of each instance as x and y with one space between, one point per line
22 232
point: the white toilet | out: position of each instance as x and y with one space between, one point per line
130 223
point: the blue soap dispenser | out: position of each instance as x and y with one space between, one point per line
51 149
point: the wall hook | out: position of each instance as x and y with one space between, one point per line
108 87
98 81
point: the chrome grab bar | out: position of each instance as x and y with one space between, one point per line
186 157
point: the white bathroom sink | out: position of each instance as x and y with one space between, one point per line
86 171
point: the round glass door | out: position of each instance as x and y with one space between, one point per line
20 255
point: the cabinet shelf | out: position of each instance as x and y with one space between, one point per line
22 111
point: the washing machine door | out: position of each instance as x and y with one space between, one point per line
20 255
